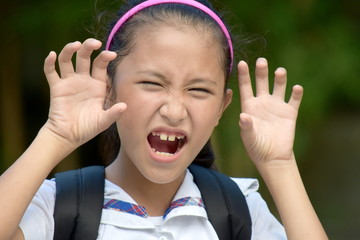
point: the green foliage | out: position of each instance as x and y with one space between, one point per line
317 42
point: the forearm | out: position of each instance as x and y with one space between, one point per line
297 214
22 180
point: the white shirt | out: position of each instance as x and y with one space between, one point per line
187 222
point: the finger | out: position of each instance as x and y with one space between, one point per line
246 129
245 122
83 61
245 87
113 113
262 80
99 69
296 96
65 63
49 68
280 83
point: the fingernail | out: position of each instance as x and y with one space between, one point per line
261 60
110 52
76 43
280 70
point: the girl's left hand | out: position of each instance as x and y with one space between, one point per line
267 122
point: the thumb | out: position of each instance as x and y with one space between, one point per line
246 128
245 122
113 113
248 135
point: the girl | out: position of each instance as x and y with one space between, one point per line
162 81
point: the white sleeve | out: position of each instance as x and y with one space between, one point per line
38 222
264 224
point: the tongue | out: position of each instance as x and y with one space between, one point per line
163 146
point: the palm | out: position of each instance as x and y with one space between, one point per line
77 98
267 121
76 104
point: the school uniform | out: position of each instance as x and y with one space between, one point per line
122 218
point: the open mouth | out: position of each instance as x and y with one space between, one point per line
166 144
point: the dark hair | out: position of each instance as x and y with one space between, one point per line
169 14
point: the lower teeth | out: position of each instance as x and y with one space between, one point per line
163 153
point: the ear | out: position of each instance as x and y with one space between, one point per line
110 94
225 103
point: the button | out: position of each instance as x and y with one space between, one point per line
162 238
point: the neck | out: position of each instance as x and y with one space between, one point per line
156 198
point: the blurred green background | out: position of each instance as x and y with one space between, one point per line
317 41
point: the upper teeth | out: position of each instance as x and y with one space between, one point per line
165 137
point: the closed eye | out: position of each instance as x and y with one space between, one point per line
151 86
203 90
150 83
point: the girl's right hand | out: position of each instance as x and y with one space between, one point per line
77 96
76 115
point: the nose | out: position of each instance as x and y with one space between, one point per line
173 110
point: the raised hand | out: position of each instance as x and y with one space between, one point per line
77 96
267 122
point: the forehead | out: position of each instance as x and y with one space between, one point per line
175 50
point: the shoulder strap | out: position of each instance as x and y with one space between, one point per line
225 204
78 204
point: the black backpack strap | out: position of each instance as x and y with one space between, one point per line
224 202
79 202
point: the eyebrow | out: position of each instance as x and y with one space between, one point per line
203 80
163 78
152 73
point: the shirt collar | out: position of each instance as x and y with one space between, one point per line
187 202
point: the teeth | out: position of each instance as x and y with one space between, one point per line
165 137
164 154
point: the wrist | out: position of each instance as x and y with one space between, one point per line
54 143
51 131
278 170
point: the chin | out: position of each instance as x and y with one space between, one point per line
164 176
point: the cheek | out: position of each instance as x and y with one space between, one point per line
141 107
134 98
206 114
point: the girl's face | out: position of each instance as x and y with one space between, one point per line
173 85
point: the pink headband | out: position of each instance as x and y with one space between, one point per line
150 3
